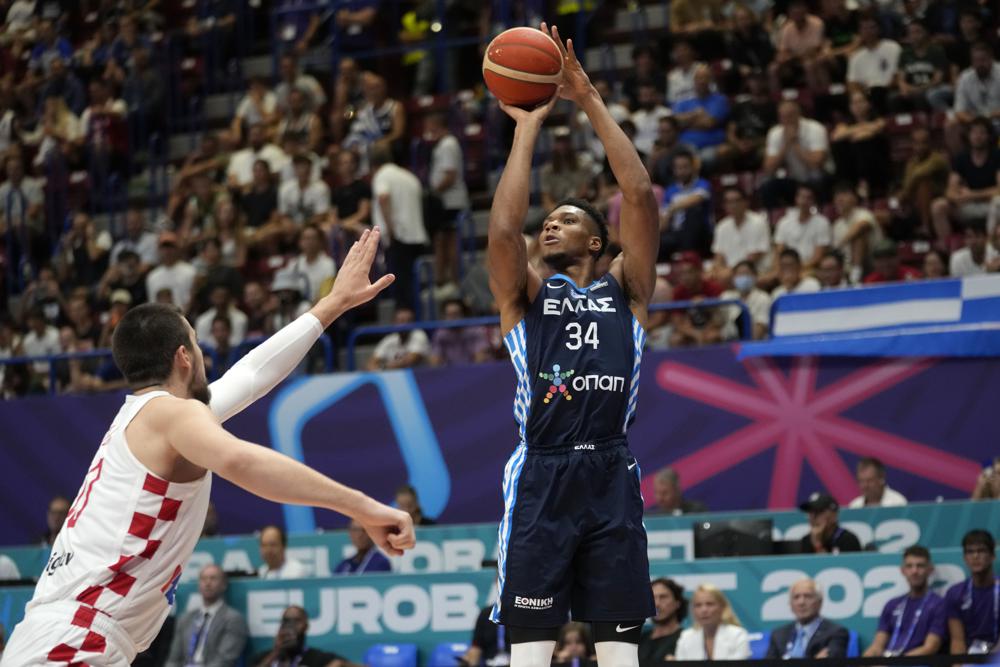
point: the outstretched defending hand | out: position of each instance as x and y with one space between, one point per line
576 84
353 286
390 529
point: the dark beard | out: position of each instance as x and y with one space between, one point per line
200 392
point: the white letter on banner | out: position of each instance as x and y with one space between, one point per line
658 543
463 555
848 580
359 606
198 560
905 531
455 607
237 560
864 531
425 550
796 532
777 607
876 578
327 619
406 594
264 610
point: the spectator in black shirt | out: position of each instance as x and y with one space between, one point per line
489 642
644 70
973 191
351 201
970 31
406 500
125 274
749 123
923 79
748 45
261 202
825 533
666 146
671 610
290 645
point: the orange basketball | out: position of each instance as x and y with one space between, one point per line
522 67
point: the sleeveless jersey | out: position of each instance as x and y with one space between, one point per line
576 353
126 538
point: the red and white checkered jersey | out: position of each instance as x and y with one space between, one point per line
125 540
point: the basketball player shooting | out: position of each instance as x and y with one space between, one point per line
572 538
114 568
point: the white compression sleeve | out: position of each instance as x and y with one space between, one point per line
264 367
532 654
617 654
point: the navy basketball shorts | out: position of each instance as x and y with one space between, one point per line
572 539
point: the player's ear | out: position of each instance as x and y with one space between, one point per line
595 245
183 358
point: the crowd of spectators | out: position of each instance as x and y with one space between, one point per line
795 147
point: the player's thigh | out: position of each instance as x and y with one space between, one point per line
41 640
611 565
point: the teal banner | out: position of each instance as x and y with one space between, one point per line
442 549
349 614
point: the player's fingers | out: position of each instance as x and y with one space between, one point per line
381 284
558 40
369 248
402 542
569 51
385 546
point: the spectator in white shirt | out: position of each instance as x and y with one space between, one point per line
398 211
304 199
313 262
680 79
277 565
447 184
855 231
137 239
259 105
977 94
716 633
874 490
830 271
874 63
581 123
741 235
804 229
401 350
790 275
646 117
239 174
41 339
173 274
799 146
757 301
292 78
221 299
977 255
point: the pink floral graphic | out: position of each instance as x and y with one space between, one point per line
805 423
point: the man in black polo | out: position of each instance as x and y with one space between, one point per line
826 535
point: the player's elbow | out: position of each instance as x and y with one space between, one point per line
638 189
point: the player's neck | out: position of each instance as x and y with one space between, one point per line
172 386
581 273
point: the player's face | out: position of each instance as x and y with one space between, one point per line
707 610
978 558
567 233
198 386
916 570
665 602
805 601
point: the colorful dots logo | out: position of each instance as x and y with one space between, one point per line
558 386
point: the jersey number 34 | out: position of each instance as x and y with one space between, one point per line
578 338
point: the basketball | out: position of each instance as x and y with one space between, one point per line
522 67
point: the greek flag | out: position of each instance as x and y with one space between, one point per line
953 317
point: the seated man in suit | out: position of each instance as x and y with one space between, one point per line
811 635
214 634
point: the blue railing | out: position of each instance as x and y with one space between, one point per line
745 323
218 363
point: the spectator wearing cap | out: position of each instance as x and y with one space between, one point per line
798 146
743 235
465 345
366 557
804 229
120 302
886 267
826 535
703 118
855 230
646 116
173 273
304 199
757 301
568 173
811 635
972 605
696 325
685 225
874 490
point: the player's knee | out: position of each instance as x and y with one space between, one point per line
526 651
628 633
617 653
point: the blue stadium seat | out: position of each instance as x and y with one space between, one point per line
759 642
853 644
392 655
447 654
